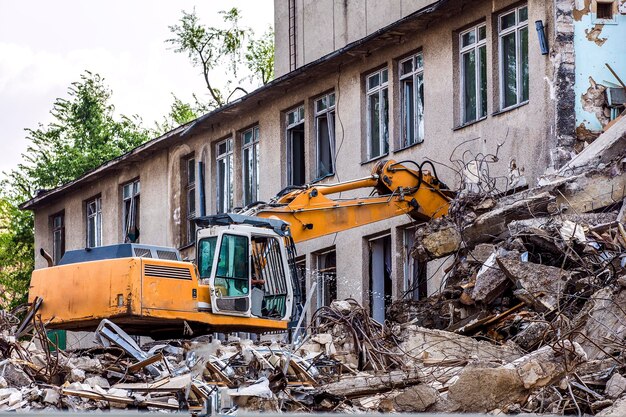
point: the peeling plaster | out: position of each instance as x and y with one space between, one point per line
594 101
581 8
593 35
594 46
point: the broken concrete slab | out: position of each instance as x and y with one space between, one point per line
618 409
615 386
481 390
353 386
548 364
415 399
419 344
442 242
544 284
603 320
607 146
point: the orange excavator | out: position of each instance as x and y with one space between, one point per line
244 277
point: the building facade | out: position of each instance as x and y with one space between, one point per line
455 82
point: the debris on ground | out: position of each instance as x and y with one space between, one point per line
530 318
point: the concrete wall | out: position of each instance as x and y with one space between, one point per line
323 26
597 42
523 135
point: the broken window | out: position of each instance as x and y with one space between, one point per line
325 129
224 161
250 156
296 174
412 99
189 176
473 60
380 277
58 237
130 214
377 113
415 277
604 11
513 41
302 273
326 277
94 222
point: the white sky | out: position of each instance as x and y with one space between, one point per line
45 45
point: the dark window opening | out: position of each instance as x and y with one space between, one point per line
296 172
380 277
58 237
326 278
604 10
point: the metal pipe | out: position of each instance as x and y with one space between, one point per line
543 41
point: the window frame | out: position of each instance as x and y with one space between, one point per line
329 111
191 179
379 90
416 73
97 216
227 156
298 120
135 196
516 28
252 146
60 229
475 47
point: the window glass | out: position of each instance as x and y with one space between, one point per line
523 14
523 35
507 20
406 67
325 134
374 81
206 254
233 265
482 33
513 42
509 69
468 38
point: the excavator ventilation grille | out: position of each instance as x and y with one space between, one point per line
160 271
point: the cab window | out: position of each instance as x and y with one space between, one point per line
233 266
206 254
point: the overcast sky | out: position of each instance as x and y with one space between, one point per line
45 45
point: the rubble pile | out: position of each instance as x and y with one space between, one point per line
540 272
531 318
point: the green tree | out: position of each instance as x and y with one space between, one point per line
260 57
180 113
84 134
227 48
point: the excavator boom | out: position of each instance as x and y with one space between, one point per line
312 211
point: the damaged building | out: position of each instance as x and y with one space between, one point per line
456 82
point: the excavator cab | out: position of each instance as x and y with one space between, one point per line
246 263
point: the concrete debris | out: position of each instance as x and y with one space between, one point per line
540 272
530 319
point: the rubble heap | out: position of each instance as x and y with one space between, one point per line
530 318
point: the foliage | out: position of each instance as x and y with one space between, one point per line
180 113
213 48
83 135
16 252
260 57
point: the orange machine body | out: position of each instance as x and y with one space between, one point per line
149 296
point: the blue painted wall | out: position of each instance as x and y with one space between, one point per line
591 57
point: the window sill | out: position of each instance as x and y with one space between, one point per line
320 179
508 109
374 159
187 246
473 122
409 146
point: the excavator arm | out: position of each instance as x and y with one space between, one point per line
317 209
